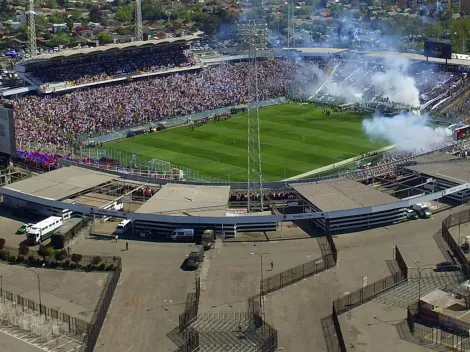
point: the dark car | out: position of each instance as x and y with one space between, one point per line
446 266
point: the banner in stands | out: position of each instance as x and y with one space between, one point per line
7 131
438 50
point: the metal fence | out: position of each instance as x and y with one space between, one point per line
75 326
367 293
192 304
293 275
102 307
339 333
454 220
427 332
142 166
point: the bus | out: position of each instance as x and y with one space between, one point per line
123 226
43 229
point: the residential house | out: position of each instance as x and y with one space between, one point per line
59 27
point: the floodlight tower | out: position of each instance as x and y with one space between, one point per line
139 35
290 24
32 29
254 36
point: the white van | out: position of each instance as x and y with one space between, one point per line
123 226
182 235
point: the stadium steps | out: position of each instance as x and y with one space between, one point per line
407 292
221 332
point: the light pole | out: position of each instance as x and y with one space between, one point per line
1 288
261 286
39 287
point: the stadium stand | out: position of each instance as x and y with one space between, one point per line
60 119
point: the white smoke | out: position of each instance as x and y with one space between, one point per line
395 82
392 82
407 132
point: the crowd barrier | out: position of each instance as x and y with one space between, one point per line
74 326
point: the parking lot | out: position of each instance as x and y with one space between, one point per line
150 295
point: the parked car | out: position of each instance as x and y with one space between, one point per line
22 230
446 266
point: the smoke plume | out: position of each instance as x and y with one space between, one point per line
408 132
395 82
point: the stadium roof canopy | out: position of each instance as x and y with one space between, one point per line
189 200
69 53
61 183
341 194
447 167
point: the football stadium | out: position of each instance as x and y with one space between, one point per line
148 181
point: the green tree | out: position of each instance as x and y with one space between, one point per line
105 38
125 13
95 14
60 39
56 18
52 4
70 25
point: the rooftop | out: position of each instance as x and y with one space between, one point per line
61 183
105 48
341 194
450 169
189 200
95 200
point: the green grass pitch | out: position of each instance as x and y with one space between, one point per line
295 138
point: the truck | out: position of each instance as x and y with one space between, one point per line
182 235
422 210
43 230
207 239
195 257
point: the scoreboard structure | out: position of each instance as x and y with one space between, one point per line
439 50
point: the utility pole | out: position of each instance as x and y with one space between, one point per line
261 285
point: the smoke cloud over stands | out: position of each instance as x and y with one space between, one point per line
396 83
408 132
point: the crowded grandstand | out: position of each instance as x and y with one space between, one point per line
65 119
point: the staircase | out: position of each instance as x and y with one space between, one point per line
407 292
228 332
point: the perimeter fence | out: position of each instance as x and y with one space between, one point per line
72 326
102 307
454 220
361 296
302 271
367 293
428 331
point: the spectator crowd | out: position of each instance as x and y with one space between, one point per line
99 68
60 119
